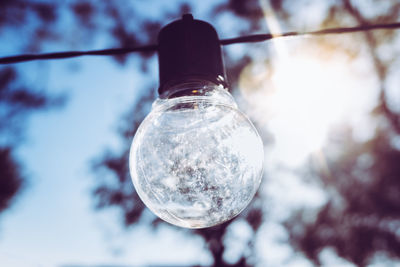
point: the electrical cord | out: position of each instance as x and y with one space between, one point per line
150 48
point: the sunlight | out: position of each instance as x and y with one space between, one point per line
302 91
299 98
307 100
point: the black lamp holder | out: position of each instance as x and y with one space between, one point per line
189 50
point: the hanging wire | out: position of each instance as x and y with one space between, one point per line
265 37
69 54
149 48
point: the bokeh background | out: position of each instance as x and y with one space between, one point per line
327 108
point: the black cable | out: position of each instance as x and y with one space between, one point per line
148 48
265 37
68 54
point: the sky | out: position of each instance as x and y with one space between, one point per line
53 221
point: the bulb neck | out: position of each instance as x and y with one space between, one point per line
195 91
191 87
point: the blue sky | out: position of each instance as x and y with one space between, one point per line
53 222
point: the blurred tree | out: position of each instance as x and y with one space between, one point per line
11 180
362 216
17 100
39 22
361 219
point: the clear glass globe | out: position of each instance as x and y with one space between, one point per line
196 160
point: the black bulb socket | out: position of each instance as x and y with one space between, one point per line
189 50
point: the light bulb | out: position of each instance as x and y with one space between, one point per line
196 160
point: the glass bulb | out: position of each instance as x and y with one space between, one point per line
196 160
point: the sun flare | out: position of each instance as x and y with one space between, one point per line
308 99
299 99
